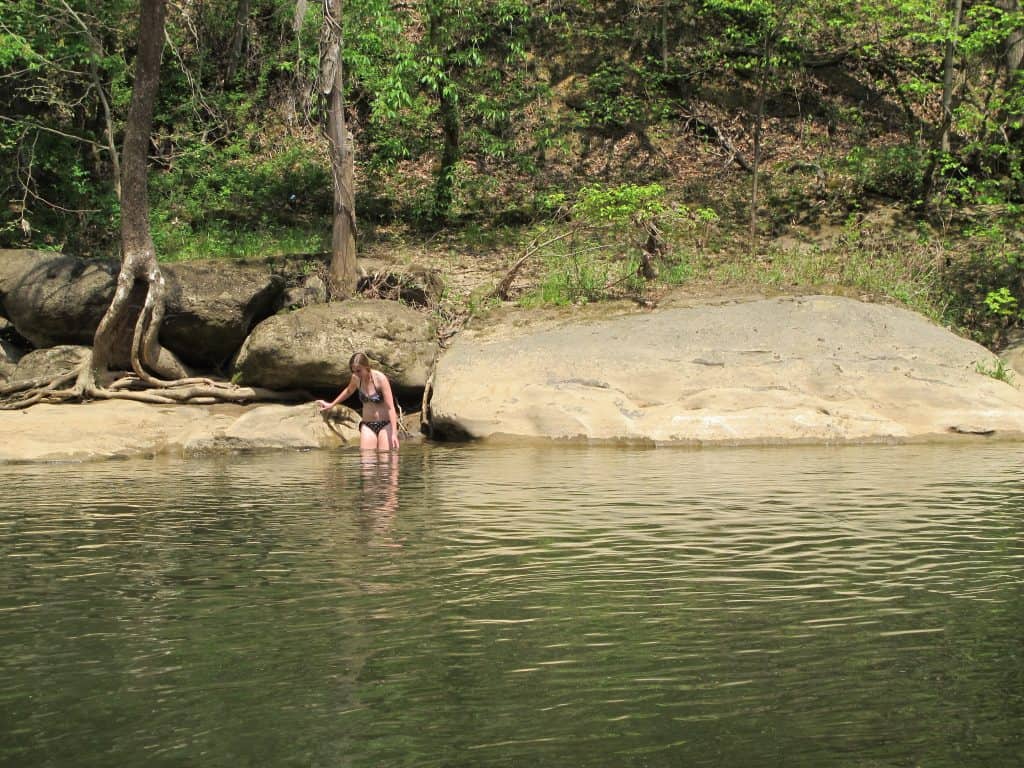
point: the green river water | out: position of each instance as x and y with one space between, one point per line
517 606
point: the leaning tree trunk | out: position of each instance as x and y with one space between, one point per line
343 275
138 258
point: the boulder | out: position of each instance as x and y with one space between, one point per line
55 299
9 357
310 347
10 353
310 290
10 334
277 427
809 369
49 362
17 266
212 306
1012 355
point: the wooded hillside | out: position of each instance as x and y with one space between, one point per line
718 126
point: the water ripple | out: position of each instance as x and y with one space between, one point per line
510 605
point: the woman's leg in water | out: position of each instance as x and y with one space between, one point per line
384 439
367 439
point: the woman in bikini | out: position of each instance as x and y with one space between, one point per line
379 427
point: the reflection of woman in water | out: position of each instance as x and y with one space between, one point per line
379 474
379 427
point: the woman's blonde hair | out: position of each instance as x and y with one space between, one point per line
359 359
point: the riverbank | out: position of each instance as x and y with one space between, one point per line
740 371
114 429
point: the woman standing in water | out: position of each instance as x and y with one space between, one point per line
379 427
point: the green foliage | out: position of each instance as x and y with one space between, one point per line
577 277
997 369
596 256
231 182
677 272
212 240
466 112
895 172
1002 303
56 62
615 98
626 203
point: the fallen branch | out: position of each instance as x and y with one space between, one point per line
501 290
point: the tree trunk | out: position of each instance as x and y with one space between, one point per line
955 8
237 40
664 37
448 106
766 64
138 258
343 273
1015 41
444 190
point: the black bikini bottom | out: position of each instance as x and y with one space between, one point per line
376 426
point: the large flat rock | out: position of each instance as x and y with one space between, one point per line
119 428
807 369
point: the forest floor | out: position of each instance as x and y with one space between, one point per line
878 258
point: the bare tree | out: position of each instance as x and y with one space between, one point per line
101 92
343 275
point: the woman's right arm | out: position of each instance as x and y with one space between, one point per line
343 395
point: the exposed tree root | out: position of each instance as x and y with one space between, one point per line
140 385
24 394
158 376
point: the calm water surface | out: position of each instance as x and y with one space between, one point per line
517 606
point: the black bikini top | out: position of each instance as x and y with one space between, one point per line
376 397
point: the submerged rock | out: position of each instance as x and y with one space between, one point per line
809 369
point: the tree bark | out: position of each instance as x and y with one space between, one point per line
138 257
343 273
444 190
955 8
1014 55
237 39
762 95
